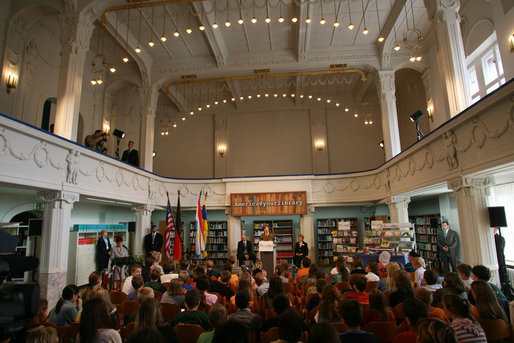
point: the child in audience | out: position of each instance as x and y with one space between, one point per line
158 258
342 273
184 276
67 308
351 314
42 314
95 325
234 279
487 305
403 291
143 294
387 283
464 271
168 272
262 284
357 266
235 269
280 304
95 280
452 285
358 283
150 263
316 298
372 271
434 331
192 315
328 309
425 295
221 286
465 327
481 272
408 267
414 310
231 332
154 283
244 315
323 332
257 268
311 277
175 294
430 280
42 335
202 284
147 336
210 269
291 326
384 259
135 270
379 311
137 284
419 265
184 266
217 317
304 271
245 286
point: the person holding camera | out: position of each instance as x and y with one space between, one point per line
97 141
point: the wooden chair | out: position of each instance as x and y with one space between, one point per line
157 295
306 287
166 284
385 331
330 277
221 300
289 288
270 313
342 286
63 332
304 337
340 327
365 310
169 310
398 312
496 329
188 333
125 309
73 330
371 285
311 314
117 297
306 299
126 331
270 335
412 276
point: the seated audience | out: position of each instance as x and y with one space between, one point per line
210 269
96 293
323 332
262 284
191 315
235 269
41 316
387 283
358 282
217 317
342 273
143 294
434 331
275 288
184 276
245 285
95 280
328 309
95 325
304 270
137 284
414 310
147 336
150 317
257 268
231 332
334 270
244 316
403 291
202 283
487 305
150 263
222 286
42 335
175 294
316 298
351 314
200 271
426 296
280 304
291 326
311 277
465 327
409 267
234 279
465 271
67 308
184 266
379 311
481 272
155 283
419 265
372 271
384 259
430 280
135 270
168 269
452 285
158 258
357 266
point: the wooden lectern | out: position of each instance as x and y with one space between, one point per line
268 256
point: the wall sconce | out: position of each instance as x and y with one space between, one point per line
511 43
12 82
221 150
381 144
319 145
430 111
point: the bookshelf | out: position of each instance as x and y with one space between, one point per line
283 230
217 242
426 236
336 236
389 236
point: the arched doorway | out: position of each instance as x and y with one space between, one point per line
48 119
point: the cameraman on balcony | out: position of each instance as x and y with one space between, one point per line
97 141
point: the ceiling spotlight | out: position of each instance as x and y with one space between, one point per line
166 132
294 19
201 27
224 101
191 112
176 33
308 20
259 95
93 82
137 49
328 101
254 20
310 96
275 95
175 124
208 106
188 30
266 95
267 20
419 58
151 43
292 95
241 98
322 21
301 96
336 23
346 109
183 118
284 95
381 39
318 98
356 114
351 26
154 154
381 144
125 59
281 19
370 122
112 69
240 21
215 25
232 99
227 23
249 96
365 122
397 47
99 81
164 39
199 108
216 102
412 58
365 31
337 104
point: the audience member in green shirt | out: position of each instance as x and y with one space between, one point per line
217 317
155 283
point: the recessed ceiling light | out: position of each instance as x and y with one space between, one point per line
163 38
215 25
151 43
336 24
176 33
267 20
308 20
294 19
240 21
351 26
322 21
188 30
254 20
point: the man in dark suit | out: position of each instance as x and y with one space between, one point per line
245 251
103 251
447 242
153 241
131 155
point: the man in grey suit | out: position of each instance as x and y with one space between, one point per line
447 242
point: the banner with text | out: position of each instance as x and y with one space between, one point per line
268 204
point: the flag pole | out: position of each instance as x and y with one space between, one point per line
180 225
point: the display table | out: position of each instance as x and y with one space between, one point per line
402 258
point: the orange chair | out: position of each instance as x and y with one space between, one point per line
398 312
73 330
340 327
117 297
496 329
166 284
126 331
63 332
125 309
365 310
157 295
221 300
342 286
270 313
188 333
330 277
169 310
311 314
371 285
385 331
305 300
289 288
306 287
270 335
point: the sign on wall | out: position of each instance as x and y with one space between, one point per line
268 204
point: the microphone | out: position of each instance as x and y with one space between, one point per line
18 264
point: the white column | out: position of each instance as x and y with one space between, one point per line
55 242
234 234
76 33
476 237
450 52
387 99
149 97
320 163
307 229
143 221
398 209
221 139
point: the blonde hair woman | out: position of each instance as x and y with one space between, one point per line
387 283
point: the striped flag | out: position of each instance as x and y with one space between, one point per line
170 227
199 240
177 245
205 226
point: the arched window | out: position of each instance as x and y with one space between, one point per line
47 122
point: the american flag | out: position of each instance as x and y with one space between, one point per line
170 227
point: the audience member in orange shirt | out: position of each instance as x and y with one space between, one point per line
304 271
358 283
